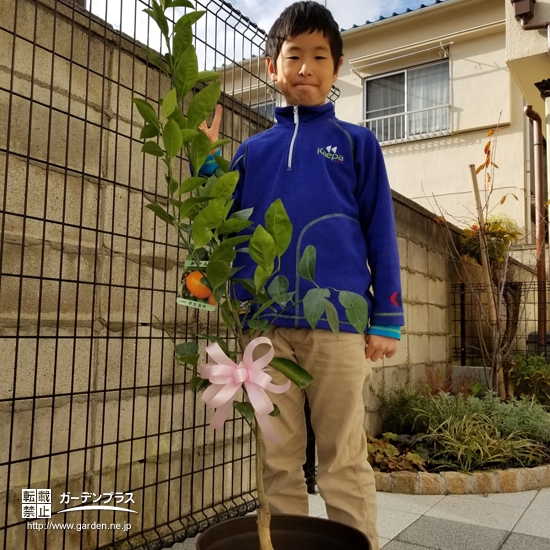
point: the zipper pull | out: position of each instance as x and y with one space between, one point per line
291 149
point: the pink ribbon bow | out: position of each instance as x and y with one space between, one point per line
227 378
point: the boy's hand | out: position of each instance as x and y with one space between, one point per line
378 347
213 131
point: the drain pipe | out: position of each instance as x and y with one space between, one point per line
524 11
540 227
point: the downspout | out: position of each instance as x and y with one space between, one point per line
540 228
537 26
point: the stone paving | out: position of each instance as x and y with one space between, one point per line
501 521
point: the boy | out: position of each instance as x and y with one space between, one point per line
330 175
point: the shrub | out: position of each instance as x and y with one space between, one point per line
499 230
472 442
399 408
460 432
386 455
530 375
524 416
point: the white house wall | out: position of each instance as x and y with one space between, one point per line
435 172
527 52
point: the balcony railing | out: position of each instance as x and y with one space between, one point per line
411 125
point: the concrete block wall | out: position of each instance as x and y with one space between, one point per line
90 399
427 272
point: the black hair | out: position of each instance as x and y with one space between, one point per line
301 18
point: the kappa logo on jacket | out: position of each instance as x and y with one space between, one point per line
330 152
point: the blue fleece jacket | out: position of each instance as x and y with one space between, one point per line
331 178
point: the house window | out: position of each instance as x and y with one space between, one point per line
410 104
266 108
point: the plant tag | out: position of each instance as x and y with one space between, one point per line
192 292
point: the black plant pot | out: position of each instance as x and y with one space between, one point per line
288 532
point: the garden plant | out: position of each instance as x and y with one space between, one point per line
458 432
211 234
487 240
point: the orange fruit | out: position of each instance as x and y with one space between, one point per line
212 300
195 287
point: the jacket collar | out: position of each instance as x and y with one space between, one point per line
285 115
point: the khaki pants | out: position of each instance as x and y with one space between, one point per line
344 477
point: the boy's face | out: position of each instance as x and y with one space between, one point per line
304 69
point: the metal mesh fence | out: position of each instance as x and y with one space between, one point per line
471 324
93 409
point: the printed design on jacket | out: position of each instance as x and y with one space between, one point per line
395 299
330 152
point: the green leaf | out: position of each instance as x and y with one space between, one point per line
188 19
247 284
160 19
242 214
199 149
233 225
178 117
314 305
173 184
187 348
185 73
147 112
306 267
160 212
332 317
169 103
259 324
246 409
169 58
179 4
182 39
222 163
292 371
225 252
149 131
189 203
207 187
208 218
190 184
152 148
262 249
267 304
275 412
356 309
217 273
187 135
208 76
278 225
225 185
219 143
230 244
227 316
198 384
278 290
203 103
190 359
260 277
212 215
173 141
278 286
